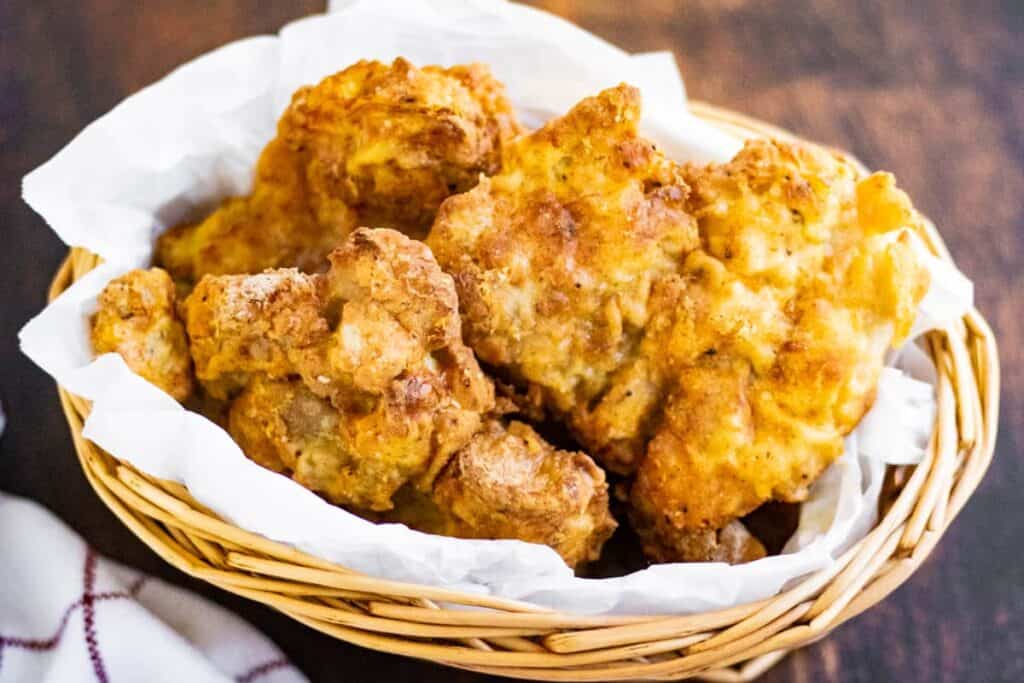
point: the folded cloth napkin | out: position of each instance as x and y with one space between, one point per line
68 615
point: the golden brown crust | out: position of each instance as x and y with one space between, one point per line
136 318
258 420
239 325
376 339
555 256
732 544
393 141
401 277
787 311
715 330
374 144
351 457
279 224
507 482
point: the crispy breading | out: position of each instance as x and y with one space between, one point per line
374 144
395 361
716 330
239 325
278 421
507 482
555 257
779 334
396 311
393 141
352 456
377 338
136 318
357 384
279 224
732 544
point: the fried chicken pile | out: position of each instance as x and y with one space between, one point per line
375 343
357 384
374 144
708 333
556 260
714 332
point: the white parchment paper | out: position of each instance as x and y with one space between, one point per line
182 144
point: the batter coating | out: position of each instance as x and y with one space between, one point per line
713 331
136 318
374 144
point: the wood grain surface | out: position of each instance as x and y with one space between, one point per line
933 91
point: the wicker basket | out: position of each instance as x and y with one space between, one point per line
522 640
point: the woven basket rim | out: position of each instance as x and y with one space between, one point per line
517 639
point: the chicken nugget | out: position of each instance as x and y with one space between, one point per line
245 324
136 318
507 482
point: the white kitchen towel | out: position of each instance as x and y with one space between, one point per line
69 615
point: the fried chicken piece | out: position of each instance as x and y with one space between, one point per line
721 359
281 223
507 482
510 483
377 339
136 318
374 144
732 544
245 324
393 141
351 457
804 282
395 363
397 312
556 256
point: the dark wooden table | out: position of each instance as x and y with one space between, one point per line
933 91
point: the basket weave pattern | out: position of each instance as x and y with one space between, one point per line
521 640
